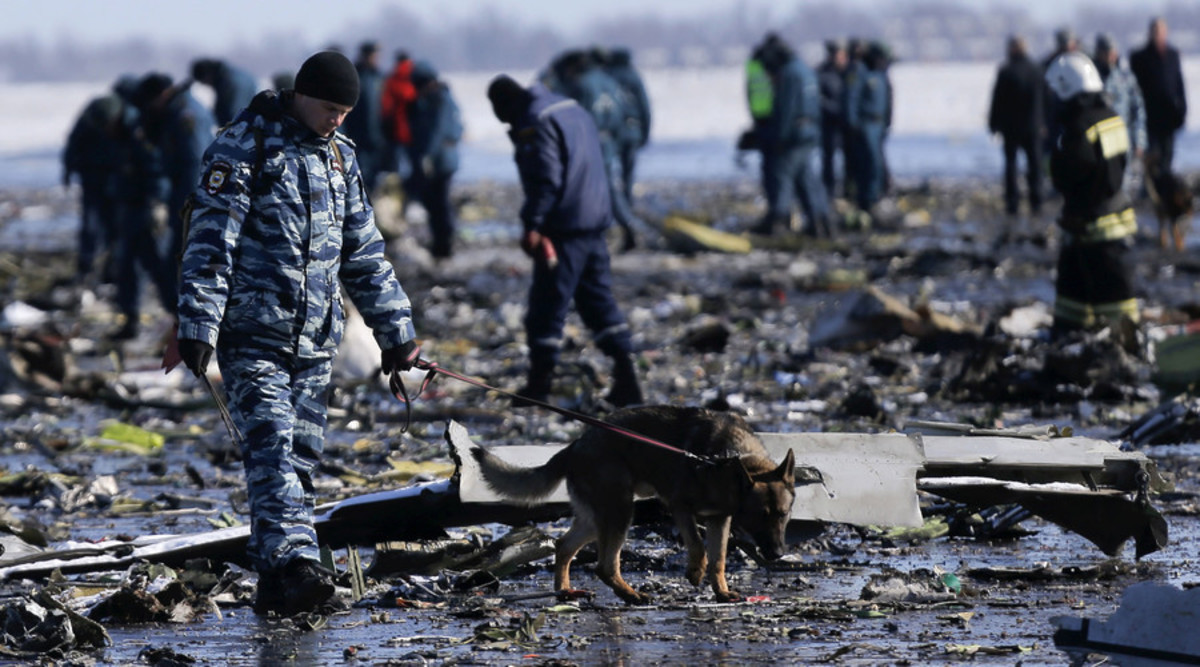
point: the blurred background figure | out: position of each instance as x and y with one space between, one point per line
618 63
436 127
868 116
142 186
365 123
1064 42
92 153
1017 115
789 139
233 87
1094 279
581 78
181 128
831 77
1158 72
1125 96
397 94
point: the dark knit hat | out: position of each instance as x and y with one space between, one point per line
329 76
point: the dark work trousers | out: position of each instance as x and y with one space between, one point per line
1162 141
1094 280
174 252
434 194
137 248
1032 147
789 174
582 274
832 141
869 172
628 158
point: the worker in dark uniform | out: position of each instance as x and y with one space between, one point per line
868 113
1160 76
1095 276
91 153
365 124
436 125
1016 115
566 212
636 107
831 76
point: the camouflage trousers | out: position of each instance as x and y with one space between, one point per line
279 403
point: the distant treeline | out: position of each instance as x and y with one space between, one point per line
494 39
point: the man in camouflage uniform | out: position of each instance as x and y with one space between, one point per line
1122 89
1095 277
280 224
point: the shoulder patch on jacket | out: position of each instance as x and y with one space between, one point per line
217 177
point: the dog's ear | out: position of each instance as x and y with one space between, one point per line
787 469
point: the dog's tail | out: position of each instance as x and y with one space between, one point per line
526 485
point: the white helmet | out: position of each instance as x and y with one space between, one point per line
1071 74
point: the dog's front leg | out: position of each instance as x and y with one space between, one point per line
717 540
695 545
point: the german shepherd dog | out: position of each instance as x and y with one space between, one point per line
736 482
1173 202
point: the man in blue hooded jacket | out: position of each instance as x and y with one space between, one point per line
566 212
280 225
436 125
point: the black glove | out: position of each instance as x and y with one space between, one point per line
195 354
399 358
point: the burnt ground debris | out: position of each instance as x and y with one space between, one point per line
720 329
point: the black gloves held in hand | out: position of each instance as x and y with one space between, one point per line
399 358
195 354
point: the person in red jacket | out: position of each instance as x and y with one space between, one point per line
398 93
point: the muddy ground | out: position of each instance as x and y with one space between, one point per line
711 329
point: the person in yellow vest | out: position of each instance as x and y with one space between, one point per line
1094 285
760 93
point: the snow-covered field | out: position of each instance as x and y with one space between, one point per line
939 123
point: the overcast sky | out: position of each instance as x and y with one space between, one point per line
219 23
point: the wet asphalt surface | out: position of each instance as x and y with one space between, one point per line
943 251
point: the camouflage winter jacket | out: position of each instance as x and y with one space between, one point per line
280 223
1126 98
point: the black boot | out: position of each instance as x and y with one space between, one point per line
625 389
537 386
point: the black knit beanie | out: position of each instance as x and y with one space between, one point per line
329 76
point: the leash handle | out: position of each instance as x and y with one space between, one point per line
400 391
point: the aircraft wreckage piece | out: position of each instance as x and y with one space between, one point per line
1155 625
1087 486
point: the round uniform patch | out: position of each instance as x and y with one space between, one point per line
217 177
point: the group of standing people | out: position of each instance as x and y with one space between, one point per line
136 151
407 122
844 106
1148 95
1095 118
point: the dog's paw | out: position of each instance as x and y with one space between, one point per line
570 594
695 575
636 597
728 596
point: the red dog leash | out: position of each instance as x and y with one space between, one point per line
396 383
